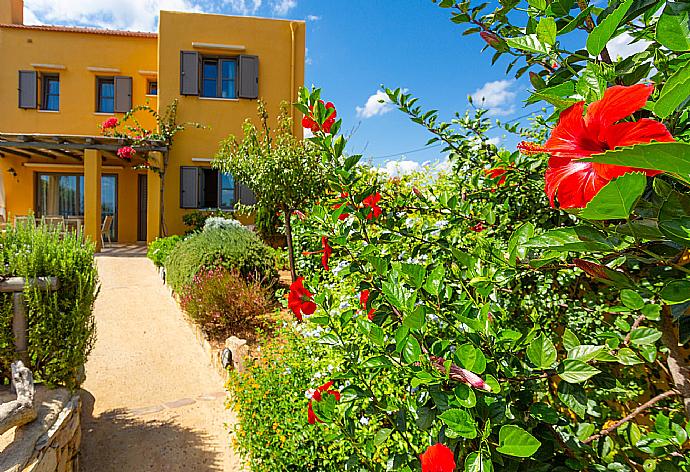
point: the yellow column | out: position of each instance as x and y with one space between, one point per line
92 196
153 207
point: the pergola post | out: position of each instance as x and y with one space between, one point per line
153 201
92 196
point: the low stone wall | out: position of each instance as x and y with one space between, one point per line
51 442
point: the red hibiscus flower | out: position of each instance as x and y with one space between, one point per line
126 153
438 458
309 122
372 201
317 395
327 251
575 183
342 216
364 300
300 299
110 123
478 228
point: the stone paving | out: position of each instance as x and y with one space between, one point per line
152 400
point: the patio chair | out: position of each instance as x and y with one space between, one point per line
105 230
22 220
54 221
74 223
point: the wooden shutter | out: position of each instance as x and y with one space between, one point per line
189 187
28 89
249 77
189 73
123 94
244 195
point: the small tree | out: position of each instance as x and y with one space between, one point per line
283 171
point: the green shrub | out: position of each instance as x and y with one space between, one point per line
222 302
231 248
269 397
61 323
196 219
160 248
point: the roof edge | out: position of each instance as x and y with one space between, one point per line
77 29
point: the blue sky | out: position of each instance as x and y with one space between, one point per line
353 46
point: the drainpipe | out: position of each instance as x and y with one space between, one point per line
293 98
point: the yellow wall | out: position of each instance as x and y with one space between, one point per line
271 40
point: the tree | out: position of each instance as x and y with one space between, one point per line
283 171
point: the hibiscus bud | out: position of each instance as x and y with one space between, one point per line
474 380
492 39
417 192
536 80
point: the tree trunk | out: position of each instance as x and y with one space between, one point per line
291 250
677 364
21 410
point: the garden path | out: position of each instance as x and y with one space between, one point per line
152 400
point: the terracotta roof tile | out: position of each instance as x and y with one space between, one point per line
72 29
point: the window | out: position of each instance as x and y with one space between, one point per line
218 78
50 92
105 94
151 87
203 187
63 195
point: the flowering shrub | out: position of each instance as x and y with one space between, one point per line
217 222
196 219
223 302
159 249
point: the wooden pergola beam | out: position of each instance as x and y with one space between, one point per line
15 152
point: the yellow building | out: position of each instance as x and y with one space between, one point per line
59 84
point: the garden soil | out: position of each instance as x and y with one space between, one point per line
152 400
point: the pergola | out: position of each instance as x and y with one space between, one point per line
91 152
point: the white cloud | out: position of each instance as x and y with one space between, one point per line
283 7
623 46
244 7
496 141
401 167
377 104
497 97
313 17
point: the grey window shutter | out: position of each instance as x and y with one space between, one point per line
189 187
244 196
189 73
28 89
249 77
123 94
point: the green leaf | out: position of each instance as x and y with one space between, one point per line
577 21
632 299
575 239
574 397
412 350
604 31
460 422
415 273
435 280
546 30
520 236
627 356
591 84
542 352
529 43
675 91
476 462
617 198
376 362
675 292
570 339
668 157
382 435
674 217
465 396
538 4
515 441
544 412
576 371
642 336
673 27
560 92
585 352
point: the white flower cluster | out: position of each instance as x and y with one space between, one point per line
217 222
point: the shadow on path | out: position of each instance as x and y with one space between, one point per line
117 441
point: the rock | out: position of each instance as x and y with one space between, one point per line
239 350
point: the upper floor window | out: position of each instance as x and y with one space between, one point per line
218 78
105 94
50 92
151 87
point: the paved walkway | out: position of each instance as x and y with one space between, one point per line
152 400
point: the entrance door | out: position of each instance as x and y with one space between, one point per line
141 211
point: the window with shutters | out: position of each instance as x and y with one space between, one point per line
50 92
151 87
203 187
105 94
218 77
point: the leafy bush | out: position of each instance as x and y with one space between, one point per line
61 323
270 401
224 302
217 222
232 249
159 249
196 219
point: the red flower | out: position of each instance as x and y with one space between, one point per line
372 202
110 123
309 122
300 300
363 300
438 458
299 215
577 136
478 228
327 251
126 153
496 173
318 395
